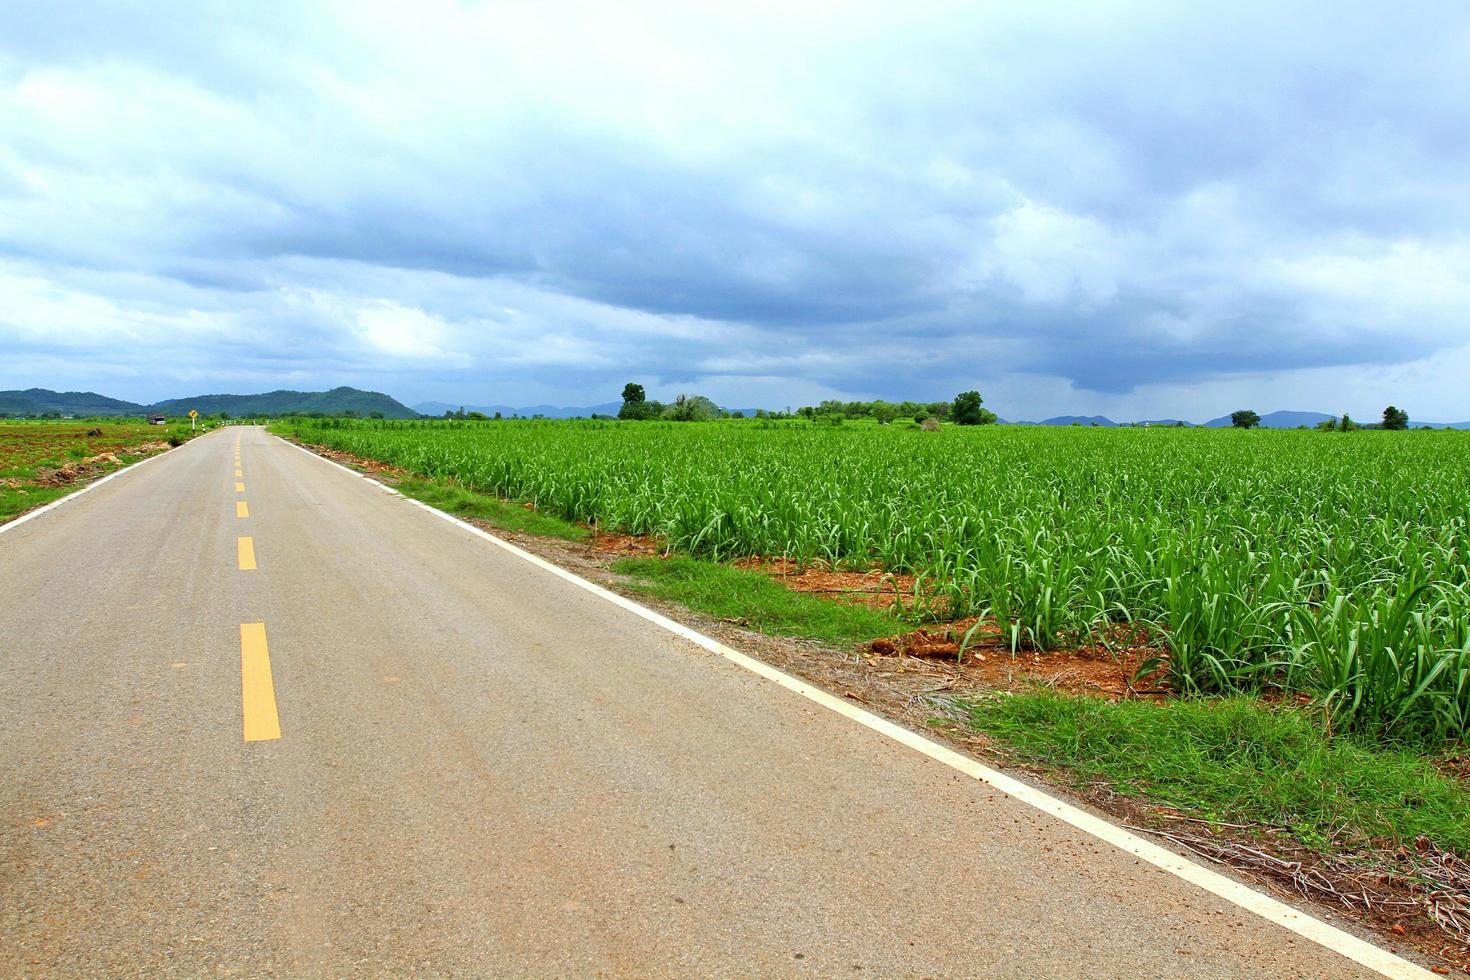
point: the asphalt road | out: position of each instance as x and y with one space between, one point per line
483 770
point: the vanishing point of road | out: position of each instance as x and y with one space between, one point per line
262 718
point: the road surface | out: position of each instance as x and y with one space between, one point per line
263 718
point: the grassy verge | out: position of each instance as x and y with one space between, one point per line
492 510
1237 761
754 599
15 501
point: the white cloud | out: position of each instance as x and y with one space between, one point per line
1099 204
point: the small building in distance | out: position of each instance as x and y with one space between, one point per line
157 420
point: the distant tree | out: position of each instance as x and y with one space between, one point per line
885 412
1327 425
498 416
1346 424
477 416
636 405
1395 418
376 415
830 407
1245 419
966 408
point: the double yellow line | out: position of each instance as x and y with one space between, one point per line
262 723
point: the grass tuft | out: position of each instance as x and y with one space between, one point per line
1238 761
492 510
767 606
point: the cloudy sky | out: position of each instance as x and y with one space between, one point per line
1138 209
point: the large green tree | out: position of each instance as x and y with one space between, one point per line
636 404
1245 419
1395 418
966 410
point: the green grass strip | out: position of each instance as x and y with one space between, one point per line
492 510
14 502
732 593
1237 761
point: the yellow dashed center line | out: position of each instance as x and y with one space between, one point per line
242 509
257 689
238 473
246 549
239 487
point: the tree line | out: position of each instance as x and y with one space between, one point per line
966 408
1394 418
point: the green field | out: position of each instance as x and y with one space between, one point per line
42 461
1329 564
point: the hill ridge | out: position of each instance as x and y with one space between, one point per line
283 401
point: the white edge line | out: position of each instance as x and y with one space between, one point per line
1308 927
31 515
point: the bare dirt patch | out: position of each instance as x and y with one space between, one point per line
979 654
872 587
626 545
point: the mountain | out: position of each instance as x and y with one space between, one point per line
1100 420
1278 420
1166 423
38 401
335 402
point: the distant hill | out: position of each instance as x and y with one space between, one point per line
1099 420
1278 420
38 401
1166 423
335 402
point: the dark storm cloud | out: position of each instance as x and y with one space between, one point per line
1107 197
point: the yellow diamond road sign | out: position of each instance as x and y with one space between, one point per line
193 414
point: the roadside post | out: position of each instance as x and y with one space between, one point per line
193 417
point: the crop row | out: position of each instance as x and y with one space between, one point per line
1329 564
